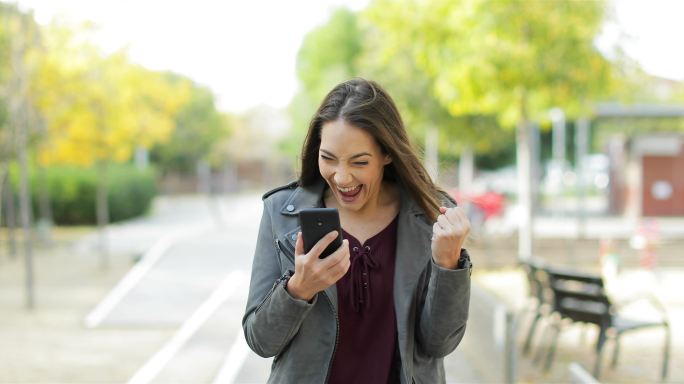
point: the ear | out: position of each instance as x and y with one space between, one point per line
387 160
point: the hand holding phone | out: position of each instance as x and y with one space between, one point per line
314 270
318 222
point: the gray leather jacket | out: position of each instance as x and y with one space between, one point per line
431 303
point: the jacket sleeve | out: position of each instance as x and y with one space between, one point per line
442 320
272 316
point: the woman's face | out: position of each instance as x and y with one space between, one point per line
352 163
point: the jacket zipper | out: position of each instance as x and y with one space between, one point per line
275 285
289 248
270 293
288 251
337 336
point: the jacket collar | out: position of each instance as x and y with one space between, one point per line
304 197
312 197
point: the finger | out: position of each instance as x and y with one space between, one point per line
436 231
323 243
442 210
464 217
444 222
299 245
339 269
337 257
452 217
456 213
459 218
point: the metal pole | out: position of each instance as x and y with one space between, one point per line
524 190
558 151
558 143
466 165
431 153
581 147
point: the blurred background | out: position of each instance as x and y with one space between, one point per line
136 138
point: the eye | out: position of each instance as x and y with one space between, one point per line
361 163
324 157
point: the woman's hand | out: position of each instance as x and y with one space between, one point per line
448 235
312 274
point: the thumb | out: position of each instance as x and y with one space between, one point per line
299 245
442 210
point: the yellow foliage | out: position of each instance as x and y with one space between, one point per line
99 108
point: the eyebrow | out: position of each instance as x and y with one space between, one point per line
352 157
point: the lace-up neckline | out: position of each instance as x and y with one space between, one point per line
366 316
364 260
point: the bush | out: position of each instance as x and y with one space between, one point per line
73 192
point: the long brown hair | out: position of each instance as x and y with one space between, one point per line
366 105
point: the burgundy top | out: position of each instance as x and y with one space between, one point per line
368 327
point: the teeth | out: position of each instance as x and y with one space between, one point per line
347 190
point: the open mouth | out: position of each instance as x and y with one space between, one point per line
350 193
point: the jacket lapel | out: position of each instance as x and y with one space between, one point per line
412 257
413 247
306 197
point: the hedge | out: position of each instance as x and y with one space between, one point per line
73 192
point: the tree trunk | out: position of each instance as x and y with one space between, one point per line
3 177
25 211
102 209
203 177
4 186
10 218
19 121
44 208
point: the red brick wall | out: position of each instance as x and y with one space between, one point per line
667 168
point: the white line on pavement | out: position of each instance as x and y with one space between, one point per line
154 365
234 360
95 317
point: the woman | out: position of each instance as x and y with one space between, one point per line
392 301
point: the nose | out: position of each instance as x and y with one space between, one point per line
342 176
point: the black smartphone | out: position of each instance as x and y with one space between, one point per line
318 222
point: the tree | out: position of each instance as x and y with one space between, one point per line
395 63
99 109
198 127
20 35
511 59
329 55
367 45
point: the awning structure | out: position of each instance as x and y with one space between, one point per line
619 110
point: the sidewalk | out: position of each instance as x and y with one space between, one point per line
50 344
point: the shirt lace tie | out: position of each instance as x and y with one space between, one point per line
361 264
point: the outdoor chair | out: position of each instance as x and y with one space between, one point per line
539 297
582 298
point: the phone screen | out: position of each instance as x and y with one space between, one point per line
318 222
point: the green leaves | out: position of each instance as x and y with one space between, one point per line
513 59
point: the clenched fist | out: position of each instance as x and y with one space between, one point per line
448 235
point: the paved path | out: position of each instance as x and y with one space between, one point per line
168 311
174 316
